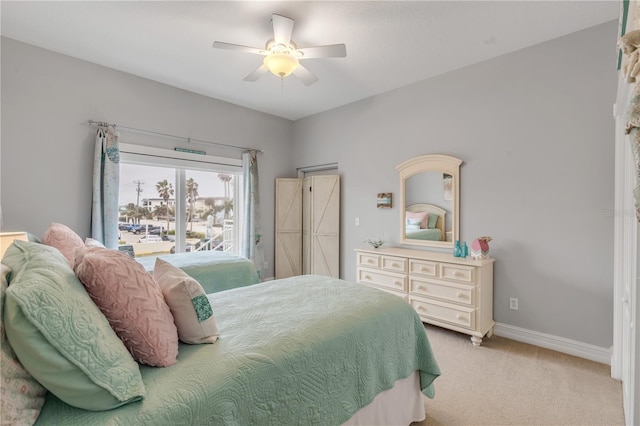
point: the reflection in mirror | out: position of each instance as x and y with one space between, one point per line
429 194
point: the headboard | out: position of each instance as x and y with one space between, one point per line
430 208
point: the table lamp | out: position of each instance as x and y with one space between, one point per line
7 238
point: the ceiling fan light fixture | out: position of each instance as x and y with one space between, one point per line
281 64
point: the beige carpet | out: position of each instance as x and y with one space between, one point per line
504 382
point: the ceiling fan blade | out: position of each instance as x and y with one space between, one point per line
330 51
282 29
257 73
229 46
303 74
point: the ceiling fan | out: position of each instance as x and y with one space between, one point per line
281 55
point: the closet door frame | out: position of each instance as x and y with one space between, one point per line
307 172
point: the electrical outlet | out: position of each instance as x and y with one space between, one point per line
513 303
265 265
357 221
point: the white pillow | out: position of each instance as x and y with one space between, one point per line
90 242
188 302
414 222
413 228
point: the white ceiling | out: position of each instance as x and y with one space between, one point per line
389 44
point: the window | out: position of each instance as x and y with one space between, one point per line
172 202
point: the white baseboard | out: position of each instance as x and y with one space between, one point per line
560 344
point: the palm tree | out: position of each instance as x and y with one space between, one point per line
192 195
226 178
228 207
165 191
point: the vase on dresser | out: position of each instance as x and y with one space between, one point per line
451 292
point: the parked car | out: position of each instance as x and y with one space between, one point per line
132 228
128 249
150 239
122 226
156 230
152 229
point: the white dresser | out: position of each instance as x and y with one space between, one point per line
450 292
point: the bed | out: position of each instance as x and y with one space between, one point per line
435 233
301 350
214 270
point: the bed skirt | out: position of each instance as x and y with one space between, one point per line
400 405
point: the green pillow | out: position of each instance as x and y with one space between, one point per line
432 220
61 337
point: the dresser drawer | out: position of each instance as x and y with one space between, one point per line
440 311
392 281
457 273
370 260
423 267
452 292
394 264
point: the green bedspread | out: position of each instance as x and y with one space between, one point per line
305 350
214 270
425 234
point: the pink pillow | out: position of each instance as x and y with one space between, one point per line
422 216
188 303
64 239
132 302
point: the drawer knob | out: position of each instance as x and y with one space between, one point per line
367 277
421 287
369 261
461 295
460 317
425 269
395 265
398 283
421 308
457 274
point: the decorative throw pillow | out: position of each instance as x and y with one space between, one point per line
412 228
64 239
61 337
432 221
22 395
132 302
414 222
188 303
422 216
90 242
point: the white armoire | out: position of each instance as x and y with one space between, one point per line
307 226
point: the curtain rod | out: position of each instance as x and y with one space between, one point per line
166 135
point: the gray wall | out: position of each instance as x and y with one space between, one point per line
47 147
535 131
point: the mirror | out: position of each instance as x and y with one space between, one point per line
429 200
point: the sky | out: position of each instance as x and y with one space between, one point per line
209 185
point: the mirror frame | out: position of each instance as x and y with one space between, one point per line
426 163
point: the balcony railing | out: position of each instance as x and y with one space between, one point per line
222 241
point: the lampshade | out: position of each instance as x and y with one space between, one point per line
7 238
281 64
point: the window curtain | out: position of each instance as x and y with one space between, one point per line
251 231
106 180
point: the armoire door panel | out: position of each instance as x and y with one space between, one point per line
325 193
288 228
288 254
326 258
289 204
